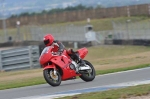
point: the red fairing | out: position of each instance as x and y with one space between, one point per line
65 53
49 66
82 52
49 60
61 61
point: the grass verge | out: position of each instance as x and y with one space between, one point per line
123 93
40 80
21 83
99 72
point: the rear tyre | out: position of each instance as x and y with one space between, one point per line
51 79
88 75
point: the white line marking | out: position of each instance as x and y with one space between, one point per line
124 71
126 84
49 96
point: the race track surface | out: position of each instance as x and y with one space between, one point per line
78 84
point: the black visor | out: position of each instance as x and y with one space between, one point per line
46 42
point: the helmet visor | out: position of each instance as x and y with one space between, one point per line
46 42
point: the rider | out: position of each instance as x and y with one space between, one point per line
59 47
49 41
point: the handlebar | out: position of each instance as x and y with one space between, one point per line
57 53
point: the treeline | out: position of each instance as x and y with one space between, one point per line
57 10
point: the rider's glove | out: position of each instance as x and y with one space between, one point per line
60 50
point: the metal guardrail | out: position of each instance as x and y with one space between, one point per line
19 58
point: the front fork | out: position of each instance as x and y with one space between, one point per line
51 67
55 72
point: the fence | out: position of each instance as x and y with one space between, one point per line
133 10
71 33
66 33
19 58
62 33
131 30
105 37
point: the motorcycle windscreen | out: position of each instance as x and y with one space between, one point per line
45 55
82 52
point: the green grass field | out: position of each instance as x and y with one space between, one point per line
140 90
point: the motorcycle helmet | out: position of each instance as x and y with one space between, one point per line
48 40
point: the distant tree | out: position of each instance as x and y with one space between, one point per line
88 8
44 12
70 8
13 16
99 6
57 10
33 13
80 7
24 14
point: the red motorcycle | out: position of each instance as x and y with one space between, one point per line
61 67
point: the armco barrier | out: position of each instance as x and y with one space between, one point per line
19 58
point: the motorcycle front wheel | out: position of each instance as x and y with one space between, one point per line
51 78
88 75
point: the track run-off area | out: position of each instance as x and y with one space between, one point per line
77 86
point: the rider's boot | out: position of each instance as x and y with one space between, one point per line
82 63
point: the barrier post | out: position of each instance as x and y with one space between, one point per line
76 45
30 57
1 67
149 9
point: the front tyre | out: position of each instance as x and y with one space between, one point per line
51 79
88 75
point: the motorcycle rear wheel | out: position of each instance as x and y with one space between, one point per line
51 79
88 76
